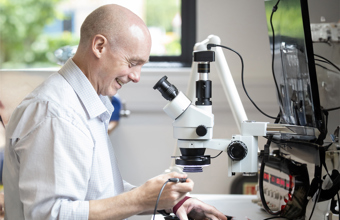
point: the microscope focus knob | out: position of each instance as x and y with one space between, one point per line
237 150
201 130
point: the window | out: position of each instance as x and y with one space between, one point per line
30 39
188 36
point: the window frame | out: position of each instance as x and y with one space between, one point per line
188 37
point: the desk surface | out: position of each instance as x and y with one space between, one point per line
240 207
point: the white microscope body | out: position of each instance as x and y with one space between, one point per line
193 124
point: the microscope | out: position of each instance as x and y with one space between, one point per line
193 123
299 173
286 186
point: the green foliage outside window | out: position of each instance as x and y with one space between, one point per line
161 14
22 42
282 26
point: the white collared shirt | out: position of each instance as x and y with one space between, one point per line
58 155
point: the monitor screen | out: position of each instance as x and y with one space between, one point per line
294 65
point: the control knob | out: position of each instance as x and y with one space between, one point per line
201 130
237 150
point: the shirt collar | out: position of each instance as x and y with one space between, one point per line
95 105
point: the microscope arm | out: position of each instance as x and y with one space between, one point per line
193 122
226 79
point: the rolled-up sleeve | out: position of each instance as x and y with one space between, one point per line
128 186
55 167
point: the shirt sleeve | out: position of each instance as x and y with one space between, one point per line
128 186
55 165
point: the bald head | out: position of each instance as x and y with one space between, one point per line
114 45
118 24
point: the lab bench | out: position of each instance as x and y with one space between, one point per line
240 207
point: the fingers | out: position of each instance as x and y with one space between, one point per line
212 211
172 192
181 188
186 187
177 175
182 214
211 217
196 209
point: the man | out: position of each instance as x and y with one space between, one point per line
59 162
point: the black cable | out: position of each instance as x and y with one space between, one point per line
332 109
264 160
328 61
338 202
242 76
273 57
216 155
316 64
318 196
159 196
320 187
324 61
326 113
274 217
174 180
324 165
273 54
2 122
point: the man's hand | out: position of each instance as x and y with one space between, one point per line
196 209
171 195
141 200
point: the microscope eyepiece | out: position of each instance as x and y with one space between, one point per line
168 91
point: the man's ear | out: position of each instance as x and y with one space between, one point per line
99 45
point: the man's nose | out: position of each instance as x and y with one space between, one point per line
135 75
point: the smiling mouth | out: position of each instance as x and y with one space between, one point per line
119 82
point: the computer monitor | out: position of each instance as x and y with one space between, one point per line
294 64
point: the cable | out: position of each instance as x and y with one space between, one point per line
2 122
159 196
338 202
273 54
242 76
264 159
173 180
273 57
316 64
317 199
323 61
274 217
332 109
320 187
216 155
328 61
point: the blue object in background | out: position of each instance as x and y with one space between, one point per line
117 105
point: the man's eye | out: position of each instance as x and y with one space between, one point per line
133 64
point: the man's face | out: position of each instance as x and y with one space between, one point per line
123 65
